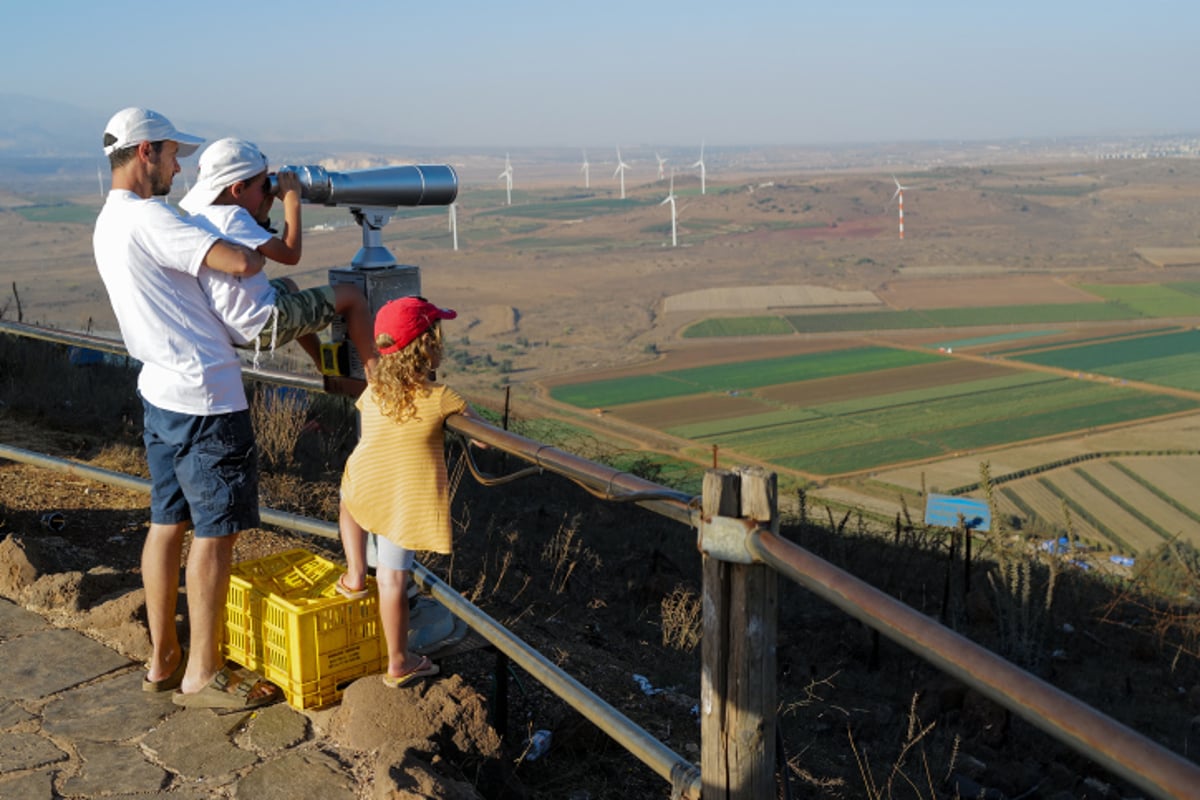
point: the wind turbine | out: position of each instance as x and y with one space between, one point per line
454 224
586 169
100 180
671 199
700 164
661 162
507 176
621 167
899 195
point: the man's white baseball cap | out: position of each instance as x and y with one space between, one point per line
222 164
131 126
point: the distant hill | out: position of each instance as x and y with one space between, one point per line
32 127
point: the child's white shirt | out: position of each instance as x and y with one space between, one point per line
244 305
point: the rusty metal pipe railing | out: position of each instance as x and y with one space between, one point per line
614 483
1117 748
63 337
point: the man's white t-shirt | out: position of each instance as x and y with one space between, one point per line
148 258
243 304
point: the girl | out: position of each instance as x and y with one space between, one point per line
395 480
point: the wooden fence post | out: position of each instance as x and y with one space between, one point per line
738 682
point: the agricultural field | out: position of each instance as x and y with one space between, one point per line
1167 359
740 326
1174 479
1033 502
1153 299
1111 457
733 377
847 411
841 322
1115 504
1090 302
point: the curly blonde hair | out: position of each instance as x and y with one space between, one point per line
400 377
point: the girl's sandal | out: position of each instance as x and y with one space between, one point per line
348 593
424 668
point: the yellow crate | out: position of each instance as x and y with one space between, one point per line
285 619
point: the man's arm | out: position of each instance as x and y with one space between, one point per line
234 259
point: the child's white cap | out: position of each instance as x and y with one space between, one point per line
223 163
131 126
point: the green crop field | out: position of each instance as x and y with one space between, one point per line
739 326
59 212
860 405
1151 299
1030 315
738 376
882 429
1168 359
1111 337
999 338
950 318
1187 287
859 321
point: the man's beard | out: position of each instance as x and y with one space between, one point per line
160 181
160 185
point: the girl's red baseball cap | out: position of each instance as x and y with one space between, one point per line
406 318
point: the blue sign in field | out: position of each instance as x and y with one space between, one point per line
943 510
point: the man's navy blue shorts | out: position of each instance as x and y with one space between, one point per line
202 468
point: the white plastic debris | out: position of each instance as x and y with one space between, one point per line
647 688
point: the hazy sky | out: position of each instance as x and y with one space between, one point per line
516 74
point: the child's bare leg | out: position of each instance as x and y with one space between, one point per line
354 543
393 617
311 345
352 305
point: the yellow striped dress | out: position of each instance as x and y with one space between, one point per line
394 483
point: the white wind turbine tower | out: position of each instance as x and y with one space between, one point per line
700 164
671 199
621 167
507 177
586 169
661 162
100 180
454 224
899 195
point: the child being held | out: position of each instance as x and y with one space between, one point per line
233 197
394 483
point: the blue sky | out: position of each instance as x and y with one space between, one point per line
520 74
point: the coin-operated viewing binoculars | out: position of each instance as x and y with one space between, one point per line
373 196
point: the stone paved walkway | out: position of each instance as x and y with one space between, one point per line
74 722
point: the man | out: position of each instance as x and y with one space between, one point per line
199 441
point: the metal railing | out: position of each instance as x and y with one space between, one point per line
1119 749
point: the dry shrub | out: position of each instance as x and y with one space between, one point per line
565 550
279 416
122 458
1022 584
912 757
682 621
